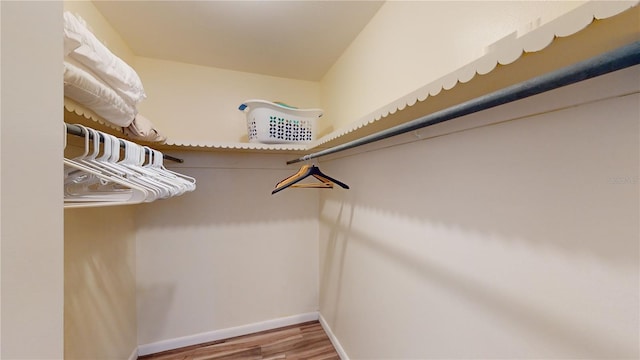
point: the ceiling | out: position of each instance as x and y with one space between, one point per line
292 39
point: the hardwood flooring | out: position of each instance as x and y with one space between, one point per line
306 341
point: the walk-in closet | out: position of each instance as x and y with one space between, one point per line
468 187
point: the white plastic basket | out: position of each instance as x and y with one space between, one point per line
273 123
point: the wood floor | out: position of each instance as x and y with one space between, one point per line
306 341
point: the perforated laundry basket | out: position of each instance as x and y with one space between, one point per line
274 123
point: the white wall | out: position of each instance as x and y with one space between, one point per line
228 254
32 220
512 240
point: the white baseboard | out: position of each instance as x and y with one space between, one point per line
221 334
134 354
334 340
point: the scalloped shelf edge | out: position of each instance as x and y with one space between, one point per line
239 146
80 110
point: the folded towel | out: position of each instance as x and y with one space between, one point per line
143 129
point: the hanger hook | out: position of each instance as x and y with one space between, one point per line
86 139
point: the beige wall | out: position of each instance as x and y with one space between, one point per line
32 220
513 240
228 254
101 28
197 103
408 44
100 283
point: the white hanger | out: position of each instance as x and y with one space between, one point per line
86 198
156 163
84 195
99 164
181 184
160 191
177 187
100 177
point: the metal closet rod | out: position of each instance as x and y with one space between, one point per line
78 131
620 58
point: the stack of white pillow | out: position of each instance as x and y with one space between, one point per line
101 81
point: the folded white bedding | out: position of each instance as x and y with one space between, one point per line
82 86
83 46
72 39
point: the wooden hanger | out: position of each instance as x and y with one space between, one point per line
326 182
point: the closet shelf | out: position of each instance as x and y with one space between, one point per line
76 113
81 112
589 30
